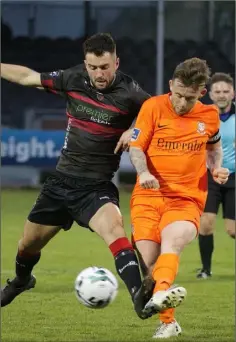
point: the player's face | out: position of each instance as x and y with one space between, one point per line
184 98
222 95
101 69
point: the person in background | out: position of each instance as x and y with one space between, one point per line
222 95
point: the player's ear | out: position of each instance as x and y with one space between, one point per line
117 62
203 92
233 94
170 85
85 63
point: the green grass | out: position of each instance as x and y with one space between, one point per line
51 312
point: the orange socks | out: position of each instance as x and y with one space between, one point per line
167 316
164 273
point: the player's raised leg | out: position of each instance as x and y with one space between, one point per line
108 223
34 238
170 224
149 252
174 237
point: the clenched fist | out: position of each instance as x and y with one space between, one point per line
220 175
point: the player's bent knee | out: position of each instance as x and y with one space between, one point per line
36 236
230 227
108 223
178 245
110 233
207 224
176 236
29 247
115 229
231 232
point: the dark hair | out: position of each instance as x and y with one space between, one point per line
221 77
99 44
193 72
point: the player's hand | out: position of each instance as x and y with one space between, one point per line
123 143
220 175
148 181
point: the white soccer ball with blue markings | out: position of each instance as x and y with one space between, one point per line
96 287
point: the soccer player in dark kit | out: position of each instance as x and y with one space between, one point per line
102 103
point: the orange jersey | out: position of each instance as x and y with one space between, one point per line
175 147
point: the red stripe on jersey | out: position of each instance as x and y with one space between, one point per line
97 104
93 127
53 91
47 83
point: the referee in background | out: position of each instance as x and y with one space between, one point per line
222 95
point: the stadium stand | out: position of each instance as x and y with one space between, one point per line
137 59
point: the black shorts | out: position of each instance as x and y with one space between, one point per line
63 200
221 194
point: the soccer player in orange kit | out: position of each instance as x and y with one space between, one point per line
174 139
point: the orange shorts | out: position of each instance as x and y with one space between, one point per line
149 216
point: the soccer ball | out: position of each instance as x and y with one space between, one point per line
96 287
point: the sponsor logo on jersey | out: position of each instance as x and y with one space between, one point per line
54 73
135 134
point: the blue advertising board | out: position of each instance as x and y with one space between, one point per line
31 147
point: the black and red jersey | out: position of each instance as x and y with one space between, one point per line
96 120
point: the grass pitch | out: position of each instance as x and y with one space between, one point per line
51 311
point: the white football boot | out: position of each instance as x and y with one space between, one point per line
166 330
162 300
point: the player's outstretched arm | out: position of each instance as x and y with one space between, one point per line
20 75
139 161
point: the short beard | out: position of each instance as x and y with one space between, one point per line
108 84
223 110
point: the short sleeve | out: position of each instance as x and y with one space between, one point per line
144 126
215 136
56 80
